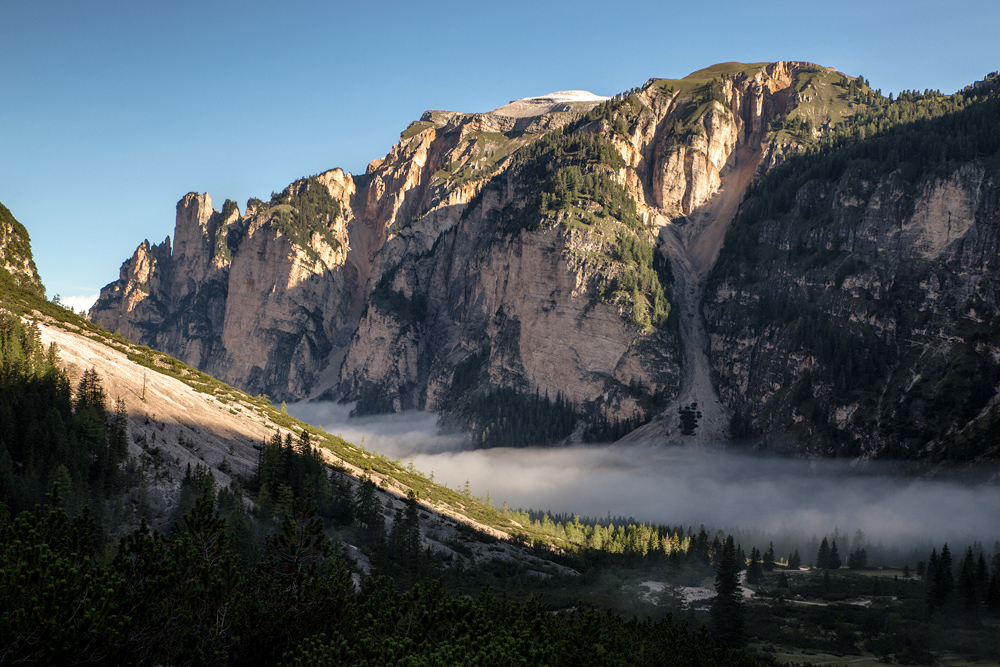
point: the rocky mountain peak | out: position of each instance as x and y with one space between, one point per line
195 227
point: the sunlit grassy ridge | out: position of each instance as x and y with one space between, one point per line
389 474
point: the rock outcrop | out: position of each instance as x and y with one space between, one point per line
531 303
256 299
15 253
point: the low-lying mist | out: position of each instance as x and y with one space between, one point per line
787 500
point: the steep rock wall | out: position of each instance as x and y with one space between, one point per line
255 300
460 283
866 321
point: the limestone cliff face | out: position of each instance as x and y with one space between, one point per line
527 301
531 292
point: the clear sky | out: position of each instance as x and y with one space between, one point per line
111 111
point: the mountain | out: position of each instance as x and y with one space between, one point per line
539 271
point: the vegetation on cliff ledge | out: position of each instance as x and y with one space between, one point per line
303 209
15 251
578 189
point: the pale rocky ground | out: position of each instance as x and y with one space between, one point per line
693 595
692 248
172 426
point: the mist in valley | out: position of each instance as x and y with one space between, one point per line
758 499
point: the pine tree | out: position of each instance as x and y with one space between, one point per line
982 576
769 558
342 500
939 578
823 555
755 572
991 601
369 512
727 605
967 588
947 569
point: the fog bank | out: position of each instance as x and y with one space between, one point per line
677 485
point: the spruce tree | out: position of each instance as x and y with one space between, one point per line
947 569
727 605
991 600
369 512
858 560
755 572
769 558
939 578
823 555
968 589
982 576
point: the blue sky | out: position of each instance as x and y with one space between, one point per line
111 111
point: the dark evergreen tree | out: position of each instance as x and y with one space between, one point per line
939 578
982 576
823 555
947 569
967 586
858 560
57 604
342 498
755 572
727 605
769 558
368 512
991 601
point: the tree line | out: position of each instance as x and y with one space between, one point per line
50 433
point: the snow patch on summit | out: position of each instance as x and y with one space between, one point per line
562 100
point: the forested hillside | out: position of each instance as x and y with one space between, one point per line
853 305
